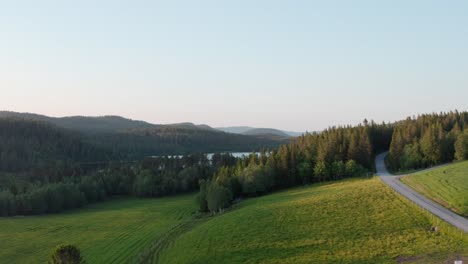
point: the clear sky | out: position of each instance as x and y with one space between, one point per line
297 65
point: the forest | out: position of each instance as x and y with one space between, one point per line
428 140
150 177
336 153
31 140
47 170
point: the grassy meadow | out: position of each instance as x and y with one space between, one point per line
351 221
110 232
447 185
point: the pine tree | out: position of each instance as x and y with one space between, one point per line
461 146
396 149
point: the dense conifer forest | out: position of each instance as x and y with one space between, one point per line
336 153
429 140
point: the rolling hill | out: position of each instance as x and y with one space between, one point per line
100 124
246 130
26 144
112 138
350 221
447 186
265 131
111 232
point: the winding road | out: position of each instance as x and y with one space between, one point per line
395 183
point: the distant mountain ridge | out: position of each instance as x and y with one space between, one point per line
246 130
98 124
116 138
87 124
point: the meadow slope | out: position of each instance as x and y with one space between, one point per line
110 232
351 221
447 186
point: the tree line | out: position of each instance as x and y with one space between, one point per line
336 153
428 140
150 177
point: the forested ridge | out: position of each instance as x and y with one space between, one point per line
335 153
27 144
428 140
138 143
32 141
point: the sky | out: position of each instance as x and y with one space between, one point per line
294 65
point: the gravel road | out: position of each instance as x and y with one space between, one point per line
395 183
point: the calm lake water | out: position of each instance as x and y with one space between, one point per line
235 154
210 155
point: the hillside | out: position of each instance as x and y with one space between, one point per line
265 131
26 144
139 143
351 221
235 129
110 232
100 124
246 130
86 124
123 138
447 186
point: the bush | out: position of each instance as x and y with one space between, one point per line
321 171
412 157
338 170
218 197
201 197
256 179
305 172
461 146
66 254
353 169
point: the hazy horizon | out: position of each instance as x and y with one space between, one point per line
296 66
243 125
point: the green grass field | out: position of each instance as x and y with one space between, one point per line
446 185
352 221
109 232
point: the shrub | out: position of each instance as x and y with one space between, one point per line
66 254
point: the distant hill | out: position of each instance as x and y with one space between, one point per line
246 130
115 137
86 124
265 131
235 129
189 125
26 144
293 133
99 124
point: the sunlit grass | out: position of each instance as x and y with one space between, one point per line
446 185
352 221
110 232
